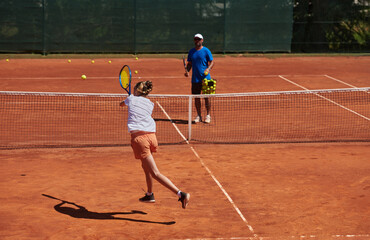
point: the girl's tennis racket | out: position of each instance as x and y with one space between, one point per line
125 78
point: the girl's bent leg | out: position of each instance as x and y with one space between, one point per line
149 164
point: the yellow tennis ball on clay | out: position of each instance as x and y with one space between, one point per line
7 60
137 58
83 77
109 61
136 72
92 61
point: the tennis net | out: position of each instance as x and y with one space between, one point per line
37 119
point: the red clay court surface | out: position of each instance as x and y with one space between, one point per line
254 191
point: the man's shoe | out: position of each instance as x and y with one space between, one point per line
197 119
208 119
185 197
148 199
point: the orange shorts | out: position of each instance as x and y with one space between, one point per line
143 144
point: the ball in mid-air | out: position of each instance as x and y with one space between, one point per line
137 58
92 61
83 77
69 61
136 71
109 61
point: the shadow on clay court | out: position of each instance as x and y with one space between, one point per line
77 211
176 121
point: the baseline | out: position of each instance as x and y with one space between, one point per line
337 236
160 77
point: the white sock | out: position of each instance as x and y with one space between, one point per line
179 194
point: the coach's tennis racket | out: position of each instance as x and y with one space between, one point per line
125 78
183 60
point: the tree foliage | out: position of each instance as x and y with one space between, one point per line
328 25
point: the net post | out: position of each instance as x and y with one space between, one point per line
190 117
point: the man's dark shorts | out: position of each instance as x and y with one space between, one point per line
196 88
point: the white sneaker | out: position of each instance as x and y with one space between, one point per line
197 119
208 119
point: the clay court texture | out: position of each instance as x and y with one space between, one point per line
311 190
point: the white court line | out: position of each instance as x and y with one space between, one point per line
212 175
352 86
287 237
165 77
327 99
173 124
335 79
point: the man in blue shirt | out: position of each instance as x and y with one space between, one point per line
201 60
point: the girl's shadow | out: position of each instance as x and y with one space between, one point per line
81 212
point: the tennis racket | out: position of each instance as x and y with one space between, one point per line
125 78
183 60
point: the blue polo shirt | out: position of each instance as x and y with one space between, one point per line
199 60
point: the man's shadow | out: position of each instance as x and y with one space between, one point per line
78 211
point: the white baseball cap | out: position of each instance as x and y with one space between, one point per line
198 35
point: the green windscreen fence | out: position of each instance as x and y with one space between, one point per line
331 26
145 26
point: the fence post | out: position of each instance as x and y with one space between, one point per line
43 28
224 47
135 9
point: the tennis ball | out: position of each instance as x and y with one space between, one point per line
83 77
92 61
206 73
137 58
69 61
109 61
136 72
7 60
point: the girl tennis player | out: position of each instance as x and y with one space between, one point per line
142 127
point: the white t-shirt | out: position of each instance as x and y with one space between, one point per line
140 111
